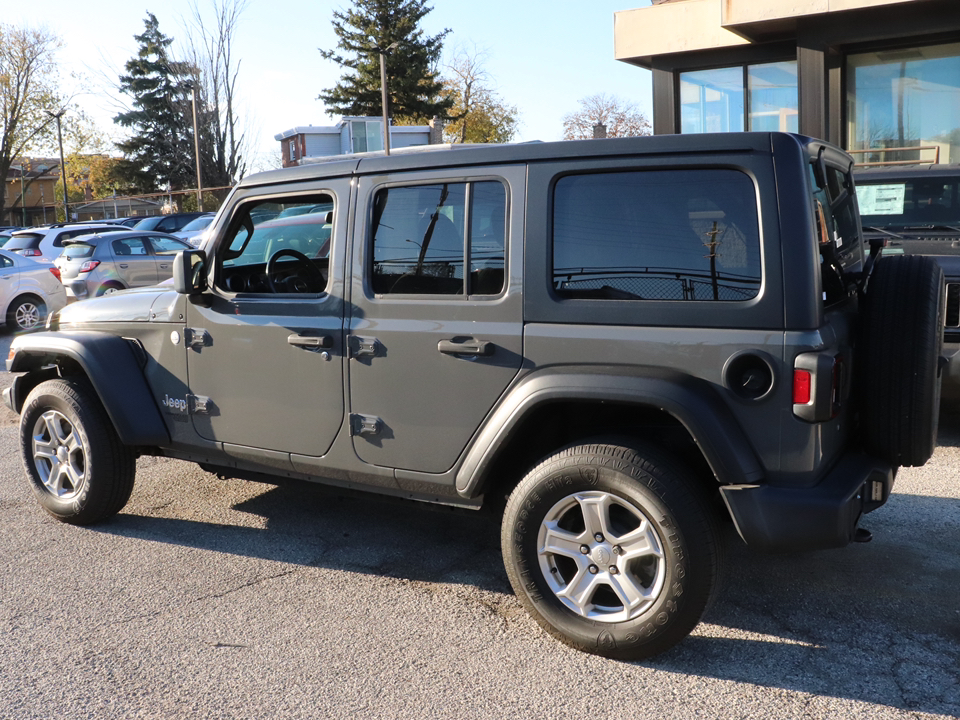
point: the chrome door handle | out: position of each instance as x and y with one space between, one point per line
465 347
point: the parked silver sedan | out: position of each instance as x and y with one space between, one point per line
29 291
95 265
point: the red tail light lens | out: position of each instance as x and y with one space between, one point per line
89 265
55 271
31 252
801 387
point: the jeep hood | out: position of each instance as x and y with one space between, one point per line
148 304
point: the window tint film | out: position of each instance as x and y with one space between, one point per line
420 245
657 235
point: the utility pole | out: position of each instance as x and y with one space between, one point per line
63 164
383 93
196 145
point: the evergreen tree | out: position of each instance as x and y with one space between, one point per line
416 92
160 148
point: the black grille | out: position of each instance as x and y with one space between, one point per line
953 306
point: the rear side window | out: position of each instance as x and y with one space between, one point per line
685 235
130 246
425 235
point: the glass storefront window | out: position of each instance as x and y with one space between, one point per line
711 100
905 98
731 99
772 89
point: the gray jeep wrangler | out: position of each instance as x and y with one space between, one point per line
621 345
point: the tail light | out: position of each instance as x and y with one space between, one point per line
819 386
55 271
89 265
31 252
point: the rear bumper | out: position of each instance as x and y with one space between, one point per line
779 519
76 289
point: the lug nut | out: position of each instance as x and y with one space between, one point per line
593 569
598 537
617 550
613 570
584 549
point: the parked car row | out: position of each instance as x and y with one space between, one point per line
44 268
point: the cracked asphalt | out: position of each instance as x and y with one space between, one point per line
228 599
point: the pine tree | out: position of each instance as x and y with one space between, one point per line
160 148
416 92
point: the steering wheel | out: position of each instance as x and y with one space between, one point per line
306 278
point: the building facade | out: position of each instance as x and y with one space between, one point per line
350 135
880 78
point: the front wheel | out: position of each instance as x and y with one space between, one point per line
612 549
76 464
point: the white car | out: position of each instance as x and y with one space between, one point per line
195 231
47 242
29 291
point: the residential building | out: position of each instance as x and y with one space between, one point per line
880 78
351 135
29 192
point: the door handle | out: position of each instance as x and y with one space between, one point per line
465 347
123 265
310 342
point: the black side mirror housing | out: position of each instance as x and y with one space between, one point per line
190 272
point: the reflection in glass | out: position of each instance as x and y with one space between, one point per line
711 100
772 91
905 99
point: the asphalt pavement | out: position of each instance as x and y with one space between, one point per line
214 598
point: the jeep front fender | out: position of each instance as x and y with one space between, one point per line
694 403
113 369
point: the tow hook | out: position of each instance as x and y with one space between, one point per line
862 535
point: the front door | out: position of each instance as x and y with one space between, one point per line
436 316
265 343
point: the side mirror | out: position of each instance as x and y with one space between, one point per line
190 272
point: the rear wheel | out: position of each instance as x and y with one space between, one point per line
109 288
612 549
26 313
76 464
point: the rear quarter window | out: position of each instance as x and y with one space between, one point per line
684 235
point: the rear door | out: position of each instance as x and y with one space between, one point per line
165 250
134 264
436 314
9 280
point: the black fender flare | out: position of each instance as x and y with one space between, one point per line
112 366
693 402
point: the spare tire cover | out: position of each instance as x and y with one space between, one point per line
901 340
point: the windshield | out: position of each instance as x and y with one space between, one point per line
197 224
920 202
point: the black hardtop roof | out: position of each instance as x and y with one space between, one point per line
473 155
905 172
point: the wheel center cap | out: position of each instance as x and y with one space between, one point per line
600 555
62 454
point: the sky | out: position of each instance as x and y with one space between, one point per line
541 55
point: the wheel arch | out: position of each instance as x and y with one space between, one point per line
110 363
552 409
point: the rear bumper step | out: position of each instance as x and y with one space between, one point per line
780 519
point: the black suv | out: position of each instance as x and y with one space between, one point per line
619 344
915 210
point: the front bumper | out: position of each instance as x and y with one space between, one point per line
780 519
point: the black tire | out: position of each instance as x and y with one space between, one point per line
26 313
900 347
76 464
666 570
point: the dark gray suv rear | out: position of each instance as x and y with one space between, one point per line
619 344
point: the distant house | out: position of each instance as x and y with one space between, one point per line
351 135
30 191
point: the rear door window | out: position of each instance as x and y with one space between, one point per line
684 235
